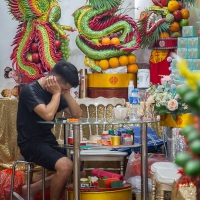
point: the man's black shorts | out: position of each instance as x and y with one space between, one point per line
43 154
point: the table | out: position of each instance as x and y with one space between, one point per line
76 147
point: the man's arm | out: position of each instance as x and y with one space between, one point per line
47 112
73 108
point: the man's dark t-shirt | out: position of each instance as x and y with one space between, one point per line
28 128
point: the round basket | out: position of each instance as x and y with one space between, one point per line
124 193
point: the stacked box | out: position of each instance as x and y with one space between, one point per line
182 42
193 42
196 64
189 49
193 53
182 52
190 31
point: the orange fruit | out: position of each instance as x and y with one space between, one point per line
164 35
133 68
113 62
97 62
174 27
104 64
123 60
131 58
185 13
115 40
105 40
172 6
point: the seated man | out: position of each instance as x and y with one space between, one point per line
40 101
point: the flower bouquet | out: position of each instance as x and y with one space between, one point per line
165 99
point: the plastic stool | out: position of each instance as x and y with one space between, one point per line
29 170
164 181
156 166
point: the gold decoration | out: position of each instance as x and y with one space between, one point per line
182 120
158 55
110 80
184 192
8 134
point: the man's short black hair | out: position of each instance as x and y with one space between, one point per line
67 71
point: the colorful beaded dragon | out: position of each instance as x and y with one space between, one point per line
40 40
99 19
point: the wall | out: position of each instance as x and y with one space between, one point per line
8 30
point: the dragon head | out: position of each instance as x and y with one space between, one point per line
150 26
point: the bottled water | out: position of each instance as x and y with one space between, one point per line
130 88
134 105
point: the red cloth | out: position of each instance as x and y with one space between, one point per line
101 173
47 195
159 65
5 183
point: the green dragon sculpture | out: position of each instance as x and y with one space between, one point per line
40 40
100 19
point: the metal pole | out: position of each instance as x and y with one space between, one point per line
144 164
29 180
43 183
66 135
76 164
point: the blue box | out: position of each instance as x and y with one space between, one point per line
193 42
193 53
196 64
176 74
190 31
182 52
173 64
190 63
182 42
177 78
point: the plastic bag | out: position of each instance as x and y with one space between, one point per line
136 184
133 167
5 182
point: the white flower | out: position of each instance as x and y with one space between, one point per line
172 104
177 96
185 107
165 79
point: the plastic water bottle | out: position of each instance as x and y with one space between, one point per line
130 88
134 105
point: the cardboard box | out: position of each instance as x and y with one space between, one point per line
193 53
190 63
182 52
196 64
190 31
193 42
182 42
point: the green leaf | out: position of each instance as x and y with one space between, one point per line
99 4
174 116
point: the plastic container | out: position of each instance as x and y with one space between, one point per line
130 132
111 132
134 105
127 140
143 78
105 138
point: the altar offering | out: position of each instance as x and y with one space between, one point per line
123 192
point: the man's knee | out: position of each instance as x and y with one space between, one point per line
64 166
